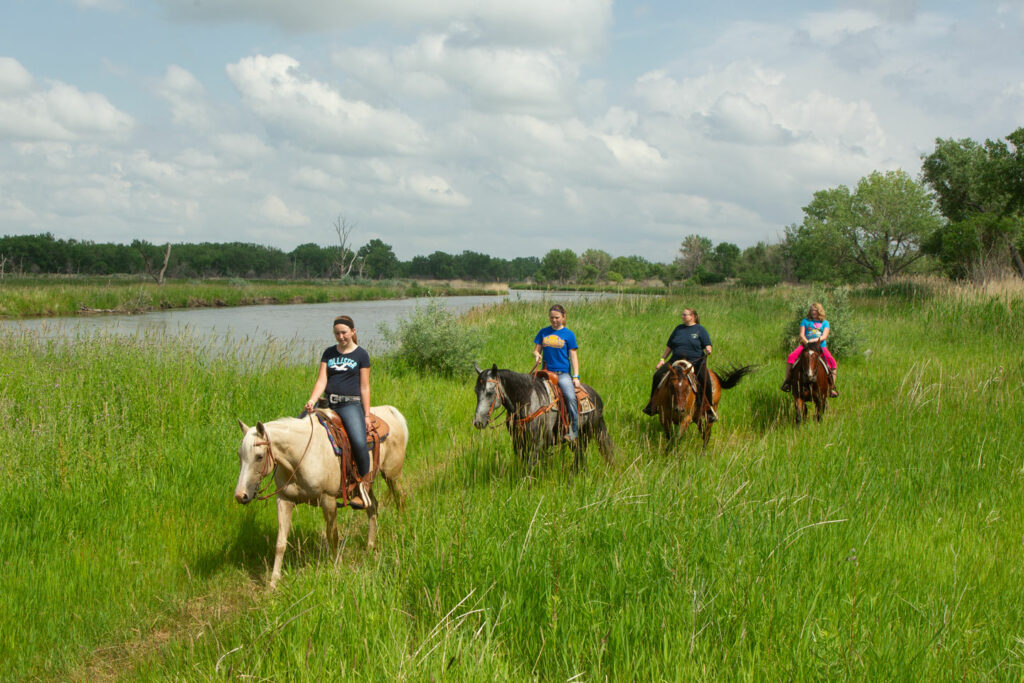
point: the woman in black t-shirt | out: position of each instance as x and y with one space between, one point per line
688 341
345 375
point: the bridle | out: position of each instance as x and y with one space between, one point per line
270 463
688 374
496 401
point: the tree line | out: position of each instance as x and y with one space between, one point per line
963 216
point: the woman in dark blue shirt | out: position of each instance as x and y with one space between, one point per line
688 341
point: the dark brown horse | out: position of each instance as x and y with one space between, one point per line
678 404
808 381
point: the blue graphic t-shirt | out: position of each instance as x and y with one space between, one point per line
343 370
555 347
813 329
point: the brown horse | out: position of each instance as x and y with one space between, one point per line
677 401
808 381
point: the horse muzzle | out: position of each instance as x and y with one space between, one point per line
242 496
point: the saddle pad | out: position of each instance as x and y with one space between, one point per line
583 403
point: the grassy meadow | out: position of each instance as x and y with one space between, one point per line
883 543
63 296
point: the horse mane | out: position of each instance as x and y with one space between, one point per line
518 386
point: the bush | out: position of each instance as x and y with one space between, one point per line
432 340
845 336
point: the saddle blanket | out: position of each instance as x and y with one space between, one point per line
583 403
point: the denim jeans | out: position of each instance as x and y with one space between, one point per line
354 419
569 392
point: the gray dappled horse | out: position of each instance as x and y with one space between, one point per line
306 470
522 395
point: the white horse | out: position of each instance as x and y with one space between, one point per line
306 470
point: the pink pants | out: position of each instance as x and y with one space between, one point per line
829 360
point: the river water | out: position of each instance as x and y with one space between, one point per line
306 328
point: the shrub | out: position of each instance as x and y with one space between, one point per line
432 340
845 336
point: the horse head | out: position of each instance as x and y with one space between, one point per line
811 358
488 395
681 382
256 459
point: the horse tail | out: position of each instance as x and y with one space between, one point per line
733 376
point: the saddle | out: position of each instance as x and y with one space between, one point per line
338 436
549 380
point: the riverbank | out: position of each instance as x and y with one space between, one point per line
56 296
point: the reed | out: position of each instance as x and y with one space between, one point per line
881 543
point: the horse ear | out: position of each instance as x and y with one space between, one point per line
261 430
477 368
245 427
494 368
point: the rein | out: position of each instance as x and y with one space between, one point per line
267 468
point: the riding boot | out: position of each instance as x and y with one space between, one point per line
649 408
789 371
832 391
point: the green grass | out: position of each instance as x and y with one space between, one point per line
883 543
41 296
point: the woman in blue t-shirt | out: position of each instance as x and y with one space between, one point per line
555 345
345 375
688 341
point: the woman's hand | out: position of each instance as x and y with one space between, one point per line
310 405
661 361
576 382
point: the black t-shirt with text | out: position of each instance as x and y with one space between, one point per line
688 341
343 370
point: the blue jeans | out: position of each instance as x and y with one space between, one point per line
354 419
569 393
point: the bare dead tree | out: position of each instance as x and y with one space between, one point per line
157 276
3 264
346 254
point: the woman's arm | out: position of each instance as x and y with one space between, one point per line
537 355
707 350
665 355
364 393
575 360
825 331
318 387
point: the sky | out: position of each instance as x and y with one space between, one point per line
507 128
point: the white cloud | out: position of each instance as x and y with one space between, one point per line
276 211
316 115
14 77
186 96
436 190
58 112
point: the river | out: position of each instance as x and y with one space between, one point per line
299 326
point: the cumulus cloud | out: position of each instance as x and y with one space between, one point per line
56 112
13 76
273 209
186 95
316 114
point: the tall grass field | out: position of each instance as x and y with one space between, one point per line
882 543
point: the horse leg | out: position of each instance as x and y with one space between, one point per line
604 441
329 504
801 409
395 487
284 525
371 516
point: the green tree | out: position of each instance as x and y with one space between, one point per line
597 259
980 190
379 259
725 259
877 229
694 252
559 265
